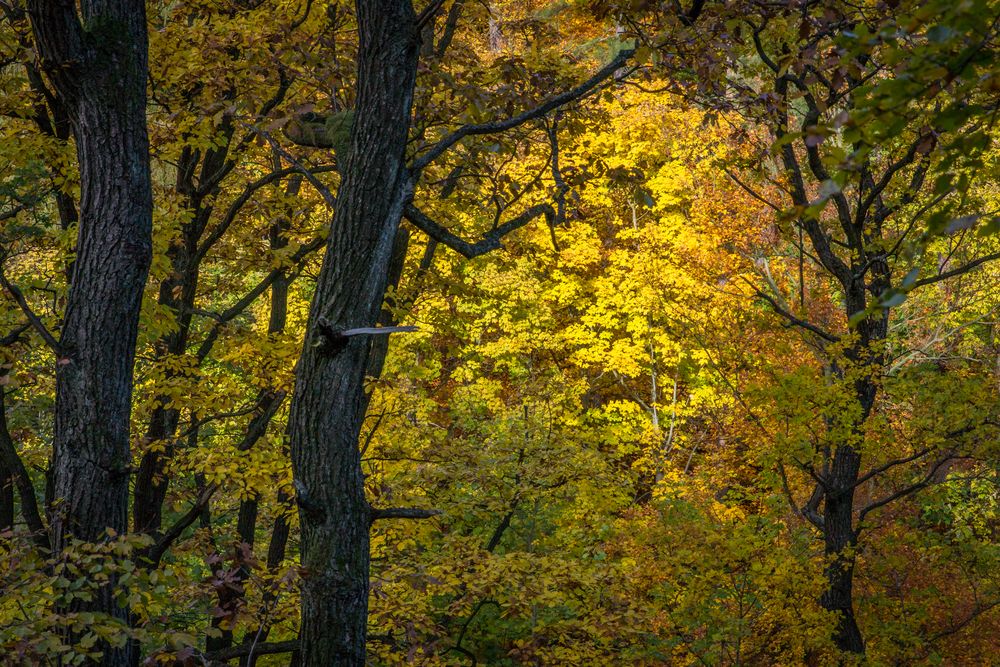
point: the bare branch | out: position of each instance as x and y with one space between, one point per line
491 241
793 320
965 268
977 611
807 511
926 481
403 513
878 188
819 238
328 196
248 192
251 296
333 340
156 551
243 650
891 464
537 112
14 335
750 191
36 323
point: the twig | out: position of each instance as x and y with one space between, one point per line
808 326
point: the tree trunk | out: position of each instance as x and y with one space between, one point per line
327 408
177 292
99 69
839 536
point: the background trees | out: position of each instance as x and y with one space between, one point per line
659 303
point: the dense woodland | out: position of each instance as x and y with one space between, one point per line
499 332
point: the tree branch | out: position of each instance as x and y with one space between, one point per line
25 490
956 272
328 197
537 112
257 427
14 335
33 319
905 491
428 13
251 296
7 215
978 610
491 241
811 509
402 513
243 650
248 192
891 464
156 551
793 320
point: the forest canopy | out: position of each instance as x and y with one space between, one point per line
499 332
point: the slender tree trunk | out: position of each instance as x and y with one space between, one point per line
177 292
14 474
839 536
6 498
839 531
269 400
99 69
327 408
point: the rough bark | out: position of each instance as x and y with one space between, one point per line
839 539
326 411
97 63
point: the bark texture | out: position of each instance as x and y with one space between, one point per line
97 62
327 408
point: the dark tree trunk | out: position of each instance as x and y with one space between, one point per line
177 292
6 499
839 532
269 400
97 62
327 408
839 538
13 473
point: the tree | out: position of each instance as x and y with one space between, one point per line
97 63
878 177
328 405
324 422
630 364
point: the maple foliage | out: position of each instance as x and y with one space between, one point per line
640 331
